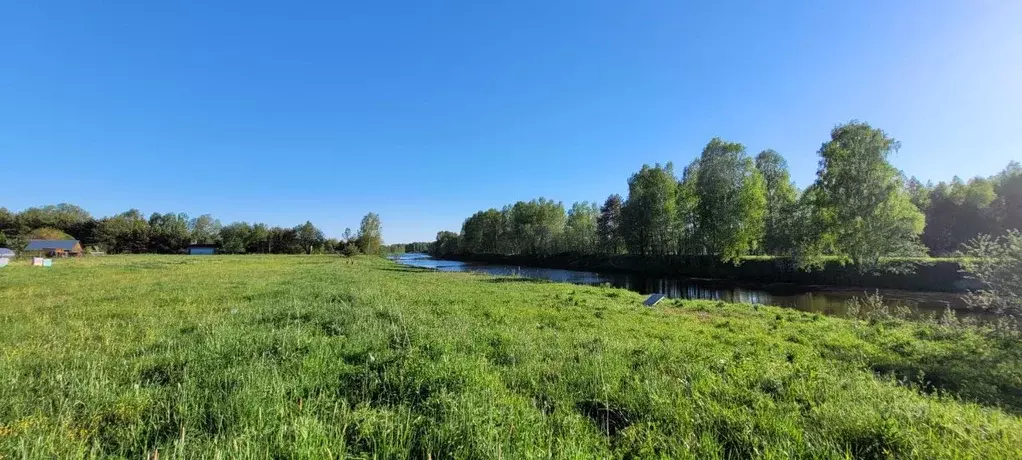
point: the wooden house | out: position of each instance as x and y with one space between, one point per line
55 248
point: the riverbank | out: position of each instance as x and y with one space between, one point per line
939 275
327 357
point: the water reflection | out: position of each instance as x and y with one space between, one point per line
818 299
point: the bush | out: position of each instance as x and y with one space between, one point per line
997 264
350 250
873 308
47 233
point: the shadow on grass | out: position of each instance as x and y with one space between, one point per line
946 379
608 419
408 269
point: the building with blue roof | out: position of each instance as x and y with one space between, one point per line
55 248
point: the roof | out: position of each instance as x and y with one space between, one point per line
202 246
6 252
37 245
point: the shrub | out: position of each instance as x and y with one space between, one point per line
996 263
47 233
350 250
873 308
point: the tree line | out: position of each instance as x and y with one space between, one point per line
418 246
172 233
729 204
401 248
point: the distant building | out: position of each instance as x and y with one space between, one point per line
201 249
6 253
55 248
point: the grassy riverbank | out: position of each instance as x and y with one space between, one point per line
910 274
320 357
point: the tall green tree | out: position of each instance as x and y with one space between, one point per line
732 201
258 239
234 237
8 228
481 233
919 193
1008 205
781 196
447 243
370 234
688 210
864 208
65 217
284 241
649 215
127 232
169 233
8 222
310 237
535 226
509 242
580 229
418 247
204 229
608 225
958 212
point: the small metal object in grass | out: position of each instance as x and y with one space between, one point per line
653 299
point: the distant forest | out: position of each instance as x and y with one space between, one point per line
732 205
170 233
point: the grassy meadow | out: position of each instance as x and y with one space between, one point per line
325 357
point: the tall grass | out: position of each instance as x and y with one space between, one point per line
322 357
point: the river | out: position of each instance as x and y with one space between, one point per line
819 299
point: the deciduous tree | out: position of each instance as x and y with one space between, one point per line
1008 205
958 212
65 217
580 234
8 222
258 239
446 244
127 232
649 215
732 200
781 196
864 208
370 234
168 233
997 264
536 225
310 237
481 233
234 237
204 229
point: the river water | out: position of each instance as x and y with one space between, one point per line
819 299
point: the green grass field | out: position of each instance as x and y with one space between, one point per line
324 357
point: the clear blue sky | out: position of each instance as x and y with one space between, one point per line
428 111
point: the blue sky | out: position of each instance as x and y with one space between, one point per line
428 111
